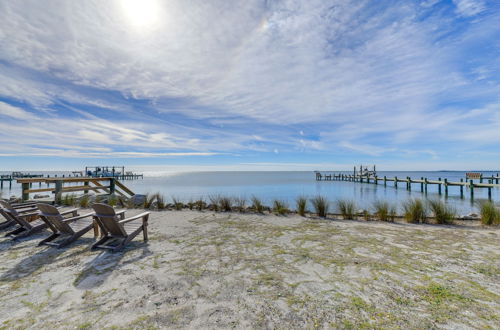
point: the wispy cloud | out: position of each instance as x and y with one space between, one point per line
306 78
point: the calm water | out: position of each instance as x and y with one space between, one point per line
288 185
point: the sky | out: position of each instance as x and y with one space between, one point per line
250 85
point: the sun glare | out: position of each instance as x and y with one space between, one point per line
141 13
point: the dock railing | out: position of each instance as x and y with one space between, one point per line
86 184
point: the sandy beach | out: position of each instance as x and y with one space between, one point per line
230 270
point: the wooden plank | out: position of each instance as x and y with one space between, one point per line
39 190
80 188
79 179
124 188
30 180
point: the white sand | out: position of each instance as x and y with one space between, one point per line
207 270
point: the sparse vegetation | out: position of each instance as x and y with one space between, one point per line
257 205
214 202
443 213
160 202
320 205
301 204
112 200
490 215
384 211
225 204
240 203
414 211
84 201
148 201
69 200
346 208
280 207
178 205
200 204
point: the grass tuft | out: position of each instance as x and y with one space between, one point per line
148 201
240 203
444 214
320 205
257 205
414 211
225 204
200 204
214 202
346 208
84 201
280 207
160 201
384 211
112 200
178 205
301 204
490 215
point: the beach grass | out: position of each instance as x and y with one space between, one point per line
415 211
225 204
215 202
240 203
346 208
301 205
384 211
490 215
178 205
257 205
321 206
443 213
280 207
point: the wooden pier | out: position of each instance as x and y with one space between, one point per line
15 175
110 171
442 184
84 184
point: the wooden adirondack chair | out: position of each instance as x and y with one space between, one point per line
29 222
69 229
21 208
117 233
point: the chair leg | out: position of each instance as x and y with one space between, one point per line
75 236
15 231
145 232
100 242
49 239
6 224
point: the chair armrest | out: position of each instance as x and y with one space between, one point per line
121 214
91 214
23 206
31 209
135 217
74 211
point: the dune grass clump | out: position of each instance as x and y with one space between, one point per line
257 205
346 208
240 203
160 201
490 215
280 207
148 201
199 204
84 201
69 200
415 211
214 202
384 211
225 204
178 205
320 205
301 204
444 214
112 200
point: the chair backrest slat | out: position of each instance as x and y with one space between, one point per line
14 215
54 218
109 220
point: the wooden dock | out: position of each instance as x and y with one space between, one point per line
442 184
15 175
84 184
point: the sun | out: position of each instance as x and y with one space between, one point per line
141 13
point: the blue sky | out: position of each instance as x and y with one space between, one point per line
280 85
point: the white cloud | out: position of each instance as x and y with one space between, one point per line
469 8
15 112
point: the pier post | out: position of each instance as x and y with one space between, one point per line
1 184
112 186
396 182
489 193
481 179
86 183
461 189
385 181
376 179
422 184
425 185
497 179
446 187
471 184
439 186
25 194
408 183
58 188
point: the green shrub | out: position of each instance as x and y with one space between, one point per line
160 201
489 214
257 205
366 215
346 208
414 211
69 200
320 205
148 201
280 207
200 204
301 203
384 211
444 214
112 200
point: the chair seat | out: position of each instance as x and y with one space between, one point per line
37 222
81 224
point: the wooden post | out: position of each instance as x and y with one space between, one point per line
461 189
58 187
376 179
422 184
112 186
489 193
425 185
86 183
385 181
481 178
408 183
439 186
396 182
471 184
446 187
25 195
